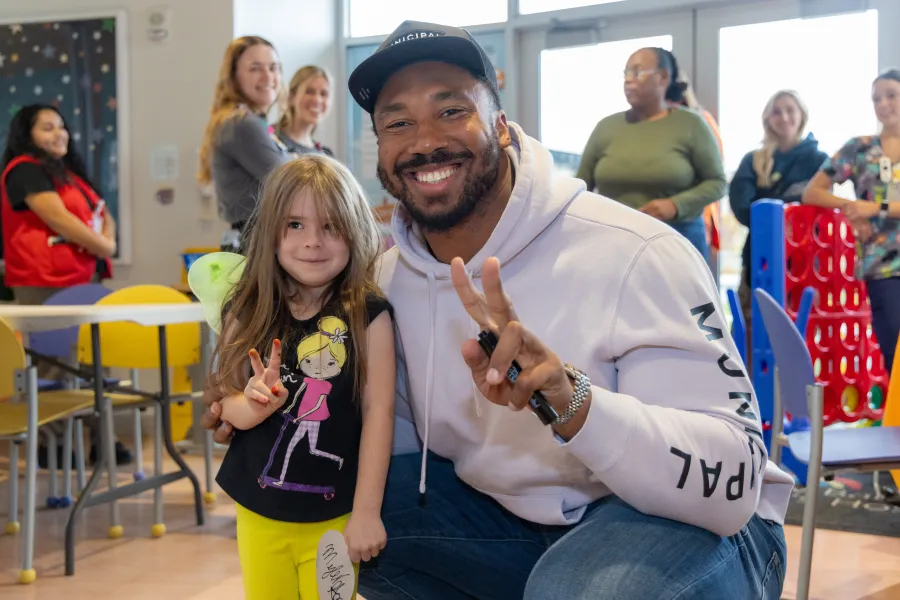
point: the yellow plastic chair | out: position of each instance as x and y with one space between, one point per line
127 345
52 406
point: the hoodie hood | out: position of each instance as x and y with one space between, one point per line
537 194
537 199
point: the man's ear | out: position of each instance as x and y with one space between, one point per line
502 129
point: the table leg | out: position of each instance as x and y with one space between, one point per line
28 574
76 510
106 457
167 424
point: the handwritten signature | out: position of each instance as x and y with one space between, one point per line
335 573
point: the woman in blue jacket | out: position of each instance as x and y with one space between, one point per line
779 170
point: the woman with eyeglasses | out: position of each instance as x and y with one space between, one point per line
657 157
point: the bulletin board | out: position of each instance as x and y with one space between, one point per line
76 63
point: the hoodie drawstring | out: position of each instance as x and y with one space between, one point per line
429 376
474 329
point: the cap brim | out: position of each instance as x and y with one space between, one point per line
369 77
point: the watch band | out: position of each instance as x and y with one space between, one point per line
582 389
883 209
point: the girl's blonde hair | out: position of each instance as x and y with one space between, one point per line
298 85
228 99
332 334
764 158
260 309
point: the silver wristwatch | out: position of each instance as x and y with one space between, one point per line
582 389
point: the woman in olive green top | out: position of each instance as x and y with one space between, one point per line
656 157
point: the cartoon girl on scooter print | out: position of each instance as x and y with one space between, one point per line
320 356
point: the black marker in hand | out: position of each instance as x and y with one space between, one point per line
488 341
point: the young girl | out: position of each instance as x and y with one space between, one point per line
313 426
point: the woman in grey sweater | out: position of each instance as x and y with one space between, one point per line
239 147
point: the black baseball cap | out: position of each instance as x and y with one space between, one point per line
415 42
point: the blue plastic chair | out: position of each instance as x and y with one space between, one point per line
738 327
62 343
828 452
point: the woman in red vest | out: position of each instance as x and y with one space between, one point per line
57 231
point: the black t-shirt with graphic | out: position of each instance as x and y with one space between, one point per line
300 464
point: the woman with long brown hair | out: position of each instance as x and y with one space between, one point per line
309 101
307 292
239 148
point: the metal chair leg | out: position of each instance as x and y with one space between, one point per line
815 398
66 499
79 455
53 469
12 525
138 447
159 527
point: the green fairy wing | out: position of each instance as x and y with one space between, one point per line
213 278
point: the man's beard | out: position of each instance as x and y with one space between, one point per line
475 188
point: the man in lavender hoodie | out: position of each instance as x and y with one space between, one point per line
650 479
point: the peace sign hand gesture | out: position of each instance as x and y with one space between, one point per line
542 369
265 386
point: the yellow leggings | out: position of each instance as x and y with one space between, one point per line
278 559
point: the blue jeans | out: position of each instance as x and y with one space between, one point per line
884 298
695 232
461 544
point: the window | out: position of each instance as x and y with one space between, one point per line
380 17
527 7
573 102
832 63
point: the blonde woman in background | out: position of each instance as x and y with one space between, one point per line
309 101
779 170
239 147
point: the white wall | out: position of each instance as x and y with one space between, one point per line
304 32
171 88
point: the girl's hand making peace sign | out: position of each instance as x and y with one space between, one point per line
265 387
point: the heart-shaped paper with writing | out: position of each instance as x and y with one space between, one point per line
334 570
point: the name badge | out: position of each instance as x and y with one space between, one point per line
97 217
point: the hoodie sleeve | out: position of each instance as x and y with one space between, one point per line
680 437
742 190
710 172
